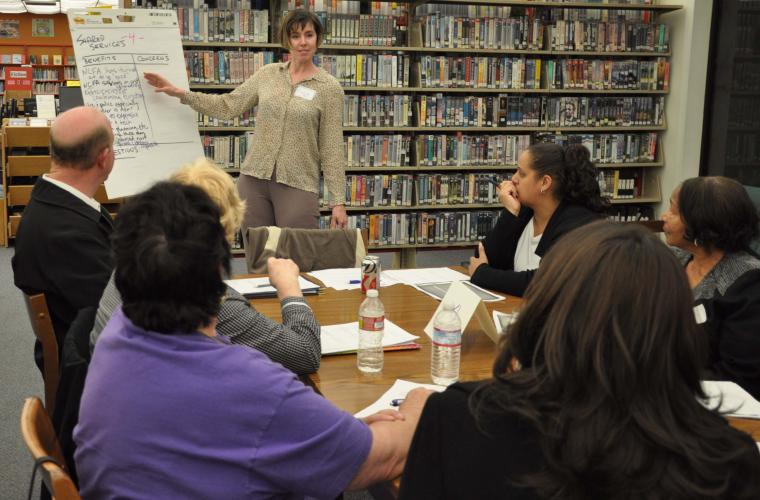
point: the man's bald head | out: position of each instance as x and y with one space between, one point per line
78 136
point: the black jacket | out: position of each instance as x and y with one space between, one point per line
733 332
451 458
501 245
62 250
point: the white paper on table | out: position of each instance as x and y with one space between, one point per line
736 401
503 320
398 390
260 286
344 338
341 278
438 290
465 300
424 275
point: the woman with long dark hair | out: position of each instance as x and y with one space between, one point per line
553 191
710 224
595 392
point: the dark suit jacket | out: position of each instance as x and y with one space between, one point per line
501 245
733 331
62 250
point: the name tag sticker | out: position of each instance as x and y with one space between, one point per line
700 315
305 93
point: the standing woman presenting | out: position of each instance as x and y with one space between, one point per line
299 131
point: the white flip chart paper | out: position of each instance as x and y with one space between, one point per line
154 133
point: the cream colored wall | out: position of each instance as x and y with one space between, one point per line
684 108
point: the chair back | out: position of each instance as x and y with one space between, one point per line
42 326
311 249
40 439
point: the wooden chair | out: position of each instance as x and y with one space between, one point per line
38 434
42 326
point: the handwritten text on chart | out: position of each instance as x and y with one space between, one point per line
113 82
101 41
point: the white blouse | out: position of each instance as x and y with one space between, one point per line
525 255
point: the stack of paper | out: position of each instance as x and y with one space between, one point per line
260 287
503 320
735 401
438 290
414 277
398 390
344 338
348 278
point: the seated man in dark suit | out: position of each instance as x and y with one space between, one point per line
62 244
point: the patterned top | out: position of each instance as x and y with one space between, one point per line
728 269
298 127
294 344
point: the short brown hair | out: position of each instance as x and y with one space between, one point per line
299 18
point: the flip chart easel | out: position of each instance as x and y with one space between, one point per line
154 133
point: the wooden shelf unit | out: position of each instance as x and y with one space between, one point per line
459 90
25 168
650 191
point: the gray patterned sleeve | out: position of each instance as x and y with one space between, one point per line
294 344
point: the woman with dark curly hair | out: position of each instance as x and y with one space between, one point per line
710 224
595 392
553 191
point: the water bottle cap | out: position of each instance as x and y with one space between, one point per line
372 293
449 305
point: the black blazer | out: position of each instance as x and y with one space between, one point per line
733 332
501 245
62 250
451 458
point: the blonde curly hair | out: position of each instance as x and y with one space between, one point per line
220 187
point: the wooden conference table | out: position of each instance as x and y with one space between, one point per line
345 386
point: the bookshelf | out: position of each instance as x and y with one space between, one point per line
25 156
51 57
732 126
412 27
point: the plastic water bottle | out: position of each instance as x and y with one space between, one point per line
369 357
447 345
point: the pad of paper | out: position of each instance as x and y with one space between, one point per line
344 338
251 287
438 290
425 275
341 278
398 390
736 401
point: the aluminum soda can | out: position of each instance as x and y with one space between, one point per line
370 273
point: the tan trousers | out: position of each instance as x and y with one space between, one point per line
269 203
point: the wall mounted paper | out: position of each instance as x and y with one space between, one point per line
154 133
